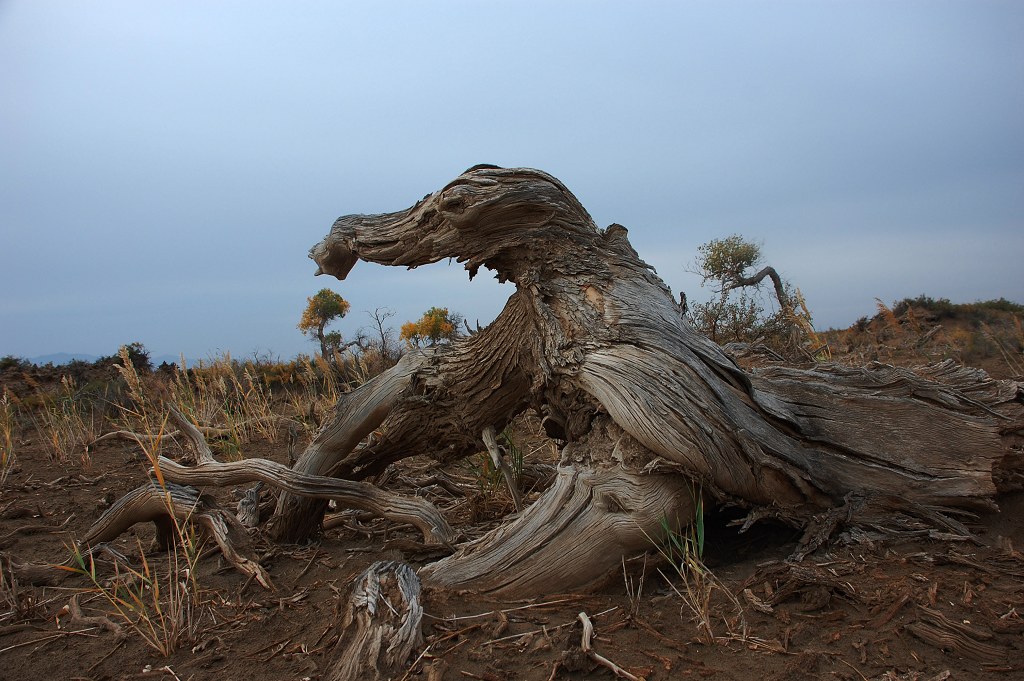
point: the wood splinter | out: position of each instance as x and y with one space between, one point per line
491 440
588 633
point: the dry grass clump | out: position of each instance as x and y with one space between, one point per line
697 584
314 392
8 426
228 395
68 420
232 402
164 610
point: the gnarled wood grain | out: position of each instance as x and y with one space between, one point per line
595 342
382 624
169 505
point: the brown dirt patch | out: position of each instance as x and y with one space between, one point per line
912 609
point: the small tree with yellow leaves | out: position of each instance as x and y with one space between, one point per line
321 310
435 326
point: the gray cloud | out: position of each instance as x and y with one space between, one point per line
166 166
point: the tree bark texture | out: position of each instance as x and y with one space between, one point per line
170 505
651 412
381 626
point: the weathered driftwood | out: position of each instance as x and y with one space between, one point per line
209 471
169 502
248 508
382 624
551 546
407 396
397 507
650 409
169 506
76 618
208 431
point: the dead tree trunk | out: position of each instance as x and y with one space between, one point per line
381 626
651 411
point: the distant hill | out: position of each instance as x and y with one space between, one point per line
62 358
59 358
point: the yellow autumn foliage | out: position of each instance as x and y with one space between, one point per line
434 326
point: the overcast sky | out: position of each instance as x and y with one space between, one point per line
165 166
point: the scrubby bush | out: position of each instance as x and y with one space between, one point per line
10 362
437 325
943 308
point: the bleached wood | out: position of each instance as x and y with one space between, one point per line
203 452
382 624
588 649
575 535
595 342
208 471
400 508
170 505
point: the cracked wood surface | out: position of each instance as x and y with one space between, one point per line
591 333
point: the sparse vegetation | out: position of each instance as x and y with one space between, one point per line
985 334
161 599
163 610
684 552
732 317
742 313
234 402
8 426
10 362
437 325
943 308
321 309
68 421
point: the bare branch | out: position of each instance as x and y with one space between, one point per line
754 280
399 508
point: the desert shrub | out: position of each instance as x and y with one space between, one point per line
437 325
943 308
740 318
743 311
137 353
1002 305
12 363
